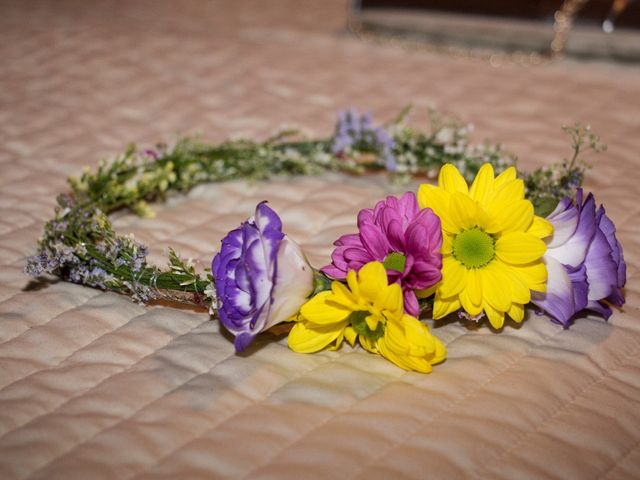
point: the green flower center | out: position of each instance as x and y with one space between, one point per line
474 248
357 320
395 261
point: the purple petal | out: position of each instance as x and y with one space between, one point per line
408 207
431 223
266 219
334 272
392 227
366 217
558 301
602 272
608 228
600 308
352 239
578 277
359 255
573 251
374 241
424 275
411 305
337 257
565 221
243 340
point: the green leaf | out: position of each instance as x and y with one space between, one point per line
543 206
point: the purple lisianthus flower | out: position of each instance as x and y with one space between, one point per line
406 239
585 262
260 275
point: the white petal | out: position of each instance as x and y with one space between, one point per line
293 282
558 301
564 225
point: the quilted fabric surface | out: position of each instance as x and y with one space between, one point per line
95 386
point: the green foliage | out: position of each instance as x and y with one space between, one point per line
80 245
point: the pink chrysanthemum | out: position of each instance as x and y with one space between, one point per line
404 238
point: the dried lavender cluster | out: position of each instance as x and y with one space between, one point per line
355 134
80 246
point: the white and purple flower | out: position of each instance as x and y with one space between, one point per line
585 262
261 277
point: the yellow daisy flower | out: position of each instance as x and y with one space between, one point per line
369 310
492 248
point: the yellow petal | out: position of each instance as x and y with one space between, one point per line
427 292
420 340
342 296
321 311
474 288
462 212
352 282
541 227
516 312
395 337
496 287
509 192
444 306
303 339
438 200
440 352
350 335
519 248
447 244
372 322
515 217
338 343
433 197
451 181
406 362
454 278
471 308
409 344
505 177
519 290
496 318
533 275
390 299
482 184
372 279
368 345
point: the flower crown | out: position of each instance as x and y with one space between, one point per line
482 243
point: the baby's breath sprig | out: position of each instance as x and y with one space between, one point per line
546 186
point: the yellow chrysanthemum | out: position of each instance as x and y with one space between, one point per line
492 248
370 310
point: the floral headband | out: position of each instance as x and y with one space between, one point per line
482 244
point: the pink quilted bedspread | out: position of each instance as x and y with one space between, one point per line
93 386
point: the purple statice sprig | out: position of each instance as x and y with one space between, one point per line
79 245
356 133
